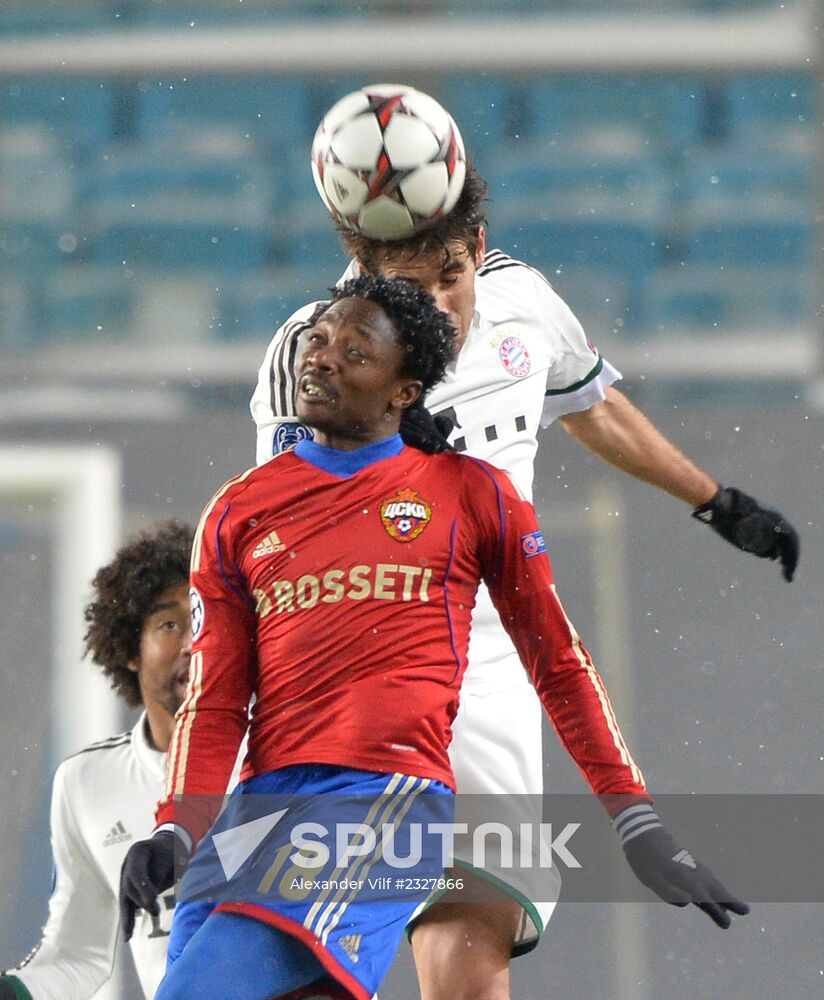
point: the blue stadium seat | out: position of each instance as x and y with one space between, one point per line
309 238
599 297
254 307
167 240
723 173
20 319
187 167
668 110
736 240
30 246
209 13
556 169
18 17
482 109
763 107
88 301
79 113
626 246
276 114
38 198
706 298
194 203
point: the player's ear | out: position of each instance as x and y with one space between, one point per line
480 251
407 394
134 666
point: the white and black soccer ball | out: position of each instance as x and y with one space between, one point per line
388 161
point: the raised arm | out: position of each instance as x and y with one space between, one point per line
619 433
520 581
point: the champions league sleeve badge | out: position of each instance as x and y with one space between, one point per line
198 612
533 544
287 435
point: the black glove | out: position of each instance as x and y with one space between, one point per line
419 429
12 989
750 527
151 867
670 871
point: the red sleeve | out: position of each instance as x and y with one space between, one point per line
213 718
519 577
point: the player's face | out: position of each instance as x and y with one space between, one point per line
349 389
449 278
165 649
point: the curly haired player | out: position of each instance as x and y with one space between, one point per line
139 634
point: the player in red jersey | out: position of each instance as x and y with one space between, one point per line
336 583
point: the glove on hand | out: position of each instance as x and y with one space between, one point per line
11 988
670 871
419 429
150 868
752 528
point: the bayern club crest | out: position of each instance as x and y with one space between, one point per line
405 515
515 357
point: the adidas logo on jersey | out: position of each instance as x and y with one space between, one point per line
269 546
117 835
350 944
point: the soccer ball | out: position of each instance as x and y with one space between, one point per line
388 161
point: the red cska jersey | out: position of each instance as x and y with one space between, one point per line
337 587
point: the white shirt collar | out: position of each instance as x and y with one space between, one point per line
150 758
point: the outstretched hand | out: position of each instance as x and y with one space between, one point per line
752 528
670 871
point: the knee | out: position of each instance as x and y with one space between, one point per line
463 952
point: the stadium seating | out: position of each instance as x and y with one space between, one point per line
88 302
766 107
255 306
668 111
652 203
80 114
735 298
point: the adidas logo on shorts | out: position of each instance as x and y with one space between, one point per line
350 944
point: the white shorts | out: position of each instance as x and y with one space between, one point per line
496 750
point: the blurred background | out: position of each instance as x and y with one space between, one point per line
660 160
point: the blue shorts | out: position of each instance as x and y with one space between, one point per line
346 858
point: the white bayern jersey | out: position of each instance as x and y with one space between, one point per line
525 362
103 800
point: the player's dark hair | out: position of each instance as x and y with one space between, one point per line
124 592
425 333
461 225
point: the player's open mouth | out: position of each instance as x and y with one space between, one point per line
312 389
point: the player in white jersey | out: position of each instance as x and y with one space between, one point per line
522 362
104 797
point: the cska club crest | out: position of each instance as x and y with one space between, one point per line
405 515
